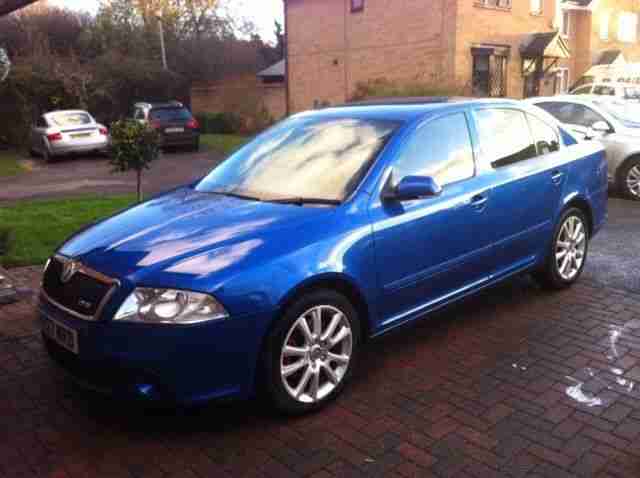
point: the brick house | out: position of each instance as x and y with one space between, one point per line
512 48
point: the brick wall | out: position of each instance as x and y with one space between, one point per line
239 94
332 49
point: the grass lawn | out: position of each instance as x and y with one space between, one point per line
223 143
38 227
9 165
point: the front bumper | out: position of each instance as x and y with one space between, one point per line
175 364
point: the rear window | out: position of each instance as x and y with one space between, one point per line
170 114
70 119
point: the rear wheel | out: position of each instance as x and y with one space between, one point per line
311 353
629 179
566 259
46 155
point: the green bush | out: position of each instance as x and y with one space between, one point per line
383 88
220 123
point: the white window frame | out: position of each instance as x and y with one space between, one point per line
628 27
536 7
565 23
506 4
563 78
604 26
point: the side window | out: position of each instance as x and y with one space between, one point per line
544 135
41 122
441 149
505 137
584 116
604 90
585 90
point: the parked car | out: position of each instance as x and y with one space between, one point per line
328 229
176 124
623 91
60 133
615 123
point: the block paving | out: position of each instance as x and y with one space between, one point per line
516 382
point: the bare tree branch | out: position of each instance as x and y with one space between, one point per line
8 6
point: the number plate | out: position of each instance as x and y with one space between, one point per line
174 130
61 334
81 135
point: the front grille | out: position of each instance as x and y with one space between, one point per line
82 294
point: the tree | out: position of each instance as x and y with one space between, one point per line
134 146
8 6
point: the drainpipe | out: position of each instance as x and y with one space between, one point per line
286 59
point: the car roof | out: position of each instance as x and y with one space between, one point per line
580 99
404 109
166 104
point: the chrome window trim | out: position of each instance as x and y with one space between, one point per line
82 269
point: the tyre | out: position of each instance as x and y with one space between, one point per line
629 179
568 252
46 155
311 352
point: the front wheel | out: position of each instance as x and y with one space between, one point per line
566 259
629 179
312 351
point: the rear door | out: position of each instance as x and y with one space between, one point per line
528 172
429 250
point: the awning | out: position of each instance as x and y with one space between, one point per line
545 45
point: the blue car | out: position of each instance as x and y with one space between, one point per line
330 228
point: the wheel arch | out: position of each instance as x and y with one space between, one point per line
623 164
581 203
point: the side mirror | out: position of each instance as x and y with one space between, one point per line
600 127
414 187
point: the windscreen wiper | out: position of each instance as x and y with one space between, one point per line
237 195
300 201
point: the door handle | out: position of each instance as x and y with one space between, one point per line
556 177
479 201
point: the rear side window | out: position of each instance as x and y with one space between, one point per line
440 149
585 90
505 137
572 113
604 90
170 114
544 135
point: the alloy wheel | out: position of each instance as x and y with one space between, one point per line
571 246
633 181
316 354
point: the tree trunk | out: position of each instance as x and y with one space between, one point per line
139 172
8 6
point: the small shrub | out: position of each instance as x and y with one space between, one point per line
220 123
134 146
383 88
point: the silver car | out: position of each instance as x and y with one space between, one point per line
616 123
65 132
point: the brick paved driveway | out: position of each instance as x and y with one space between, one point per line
515 382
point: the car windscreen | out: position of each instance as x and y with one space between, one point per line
170 114
303 157
628 113
70 119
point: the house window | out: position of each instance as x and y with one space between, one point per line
565 24
494 3
562 85
536 7
604 26
628 27
489 76
357 6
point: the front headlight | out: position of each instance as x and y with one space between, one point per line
166 306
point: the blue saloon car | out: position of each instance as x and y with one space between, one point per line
330 228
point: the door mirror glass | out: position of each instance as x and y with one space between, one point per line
600 127
414 187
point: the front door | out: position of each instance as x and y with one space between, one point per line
429 250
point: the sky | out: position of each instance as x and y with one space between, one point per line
262 12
